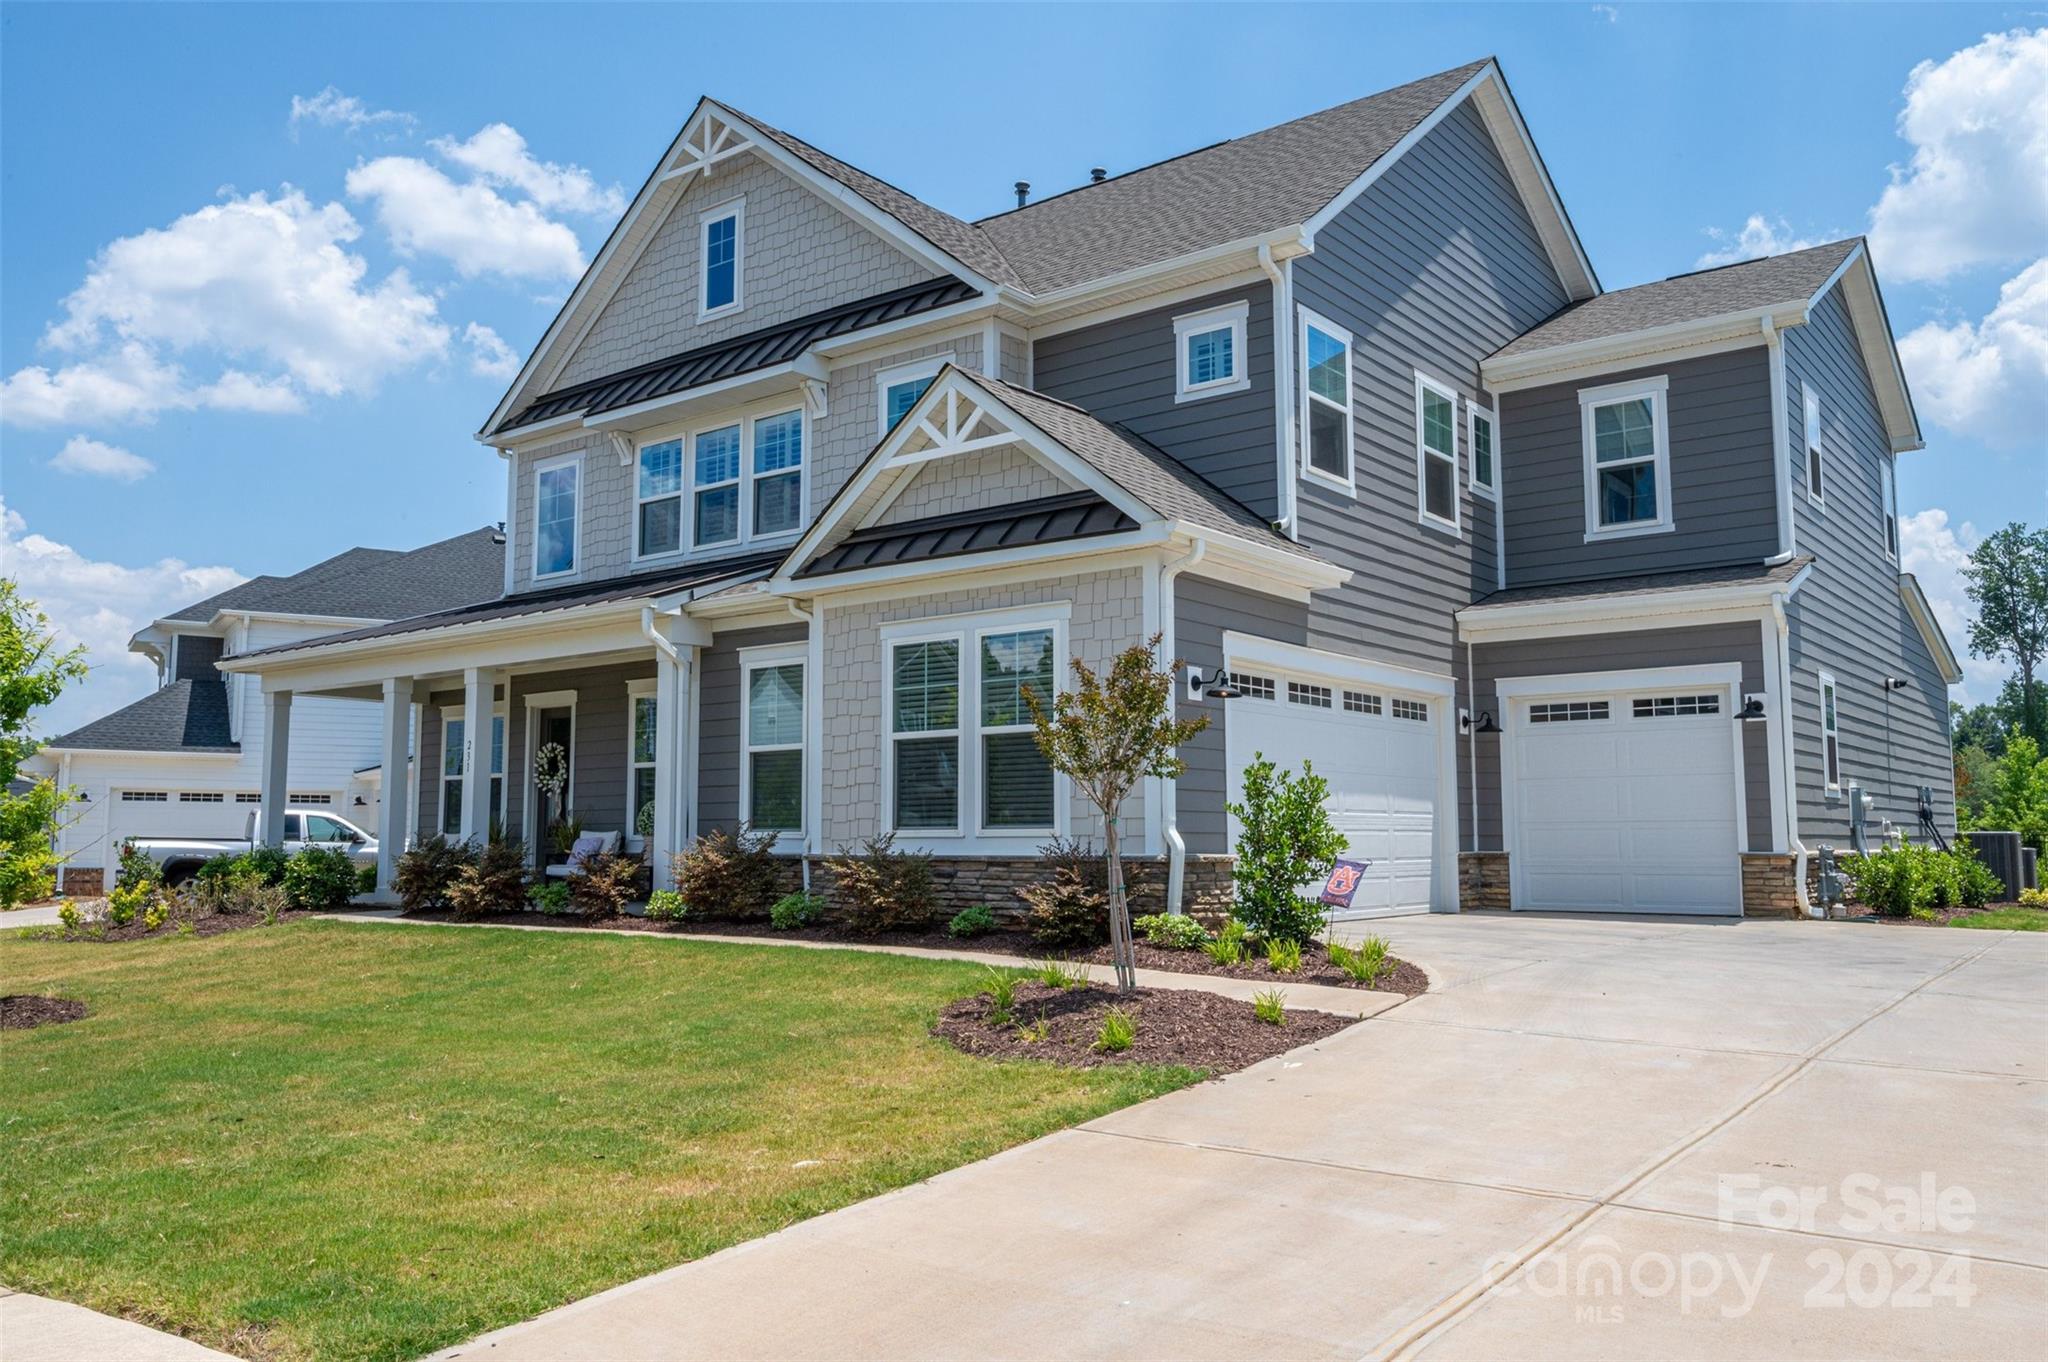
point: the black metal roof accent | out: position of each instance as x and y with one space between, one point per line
185 716
1046 520
741 354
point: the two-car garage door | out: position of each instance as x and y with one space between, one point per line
1624 801
1378 749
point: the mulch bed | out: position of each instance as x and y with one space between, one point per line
1175 1026
20 1011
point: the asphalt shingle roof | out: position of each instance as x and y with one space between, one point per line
374 583
1688 298
1649 584
185 716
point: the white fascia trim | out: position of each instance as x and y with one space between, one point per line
735 388
542 624
1142 537
1637 349
1636 678
1254 651
134 753
519 437
1478 622
1930 628
1867 313
1284 243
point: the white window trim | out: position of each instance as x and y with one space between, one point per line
1812 451
1830 732
681 494
751 661
736 209
1657 389
576 548
460 714
1888 507
968 631
689 433
1309 471
907 372
1235 317
1453 525
1474 413
646 687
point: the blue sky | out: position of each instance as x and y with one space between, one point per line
365 258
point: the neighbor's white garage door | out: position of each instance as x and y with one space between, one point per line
1377 749
170 812
1624 802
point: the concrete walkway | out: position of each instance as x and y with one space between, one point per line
1590 1142
33 1328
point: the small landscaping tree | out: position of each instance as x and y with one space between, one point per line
1285 840
33 673
1106 735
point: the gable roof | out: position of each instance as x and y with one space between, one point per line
372 583
185 716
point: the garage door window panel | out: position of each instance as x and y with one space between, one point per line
1627 450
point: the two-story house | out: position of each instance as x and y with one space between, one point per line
184 760
1594 594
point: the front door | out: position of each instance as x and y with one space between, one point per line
552 727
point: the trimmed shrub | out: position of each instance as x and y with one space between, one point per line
366 880
792 911
425 872
269 862
495 882
728 874
1172 931
974 920
1912 881
604 886
1071 910
551 897
664 905
320 878
135 869
881 889
1286 840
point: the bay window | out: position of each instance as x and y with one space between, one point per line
1326 398
772 739
1627 451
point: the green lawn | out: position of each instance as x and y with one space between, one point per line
2012 919
331 1140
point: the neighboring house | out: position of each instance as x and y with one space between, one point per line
809 479
184 761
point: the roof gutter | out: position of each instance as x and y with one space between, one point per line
1476 620
1561 362
1282 275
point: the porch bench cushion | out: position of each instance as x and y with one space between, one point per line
589 844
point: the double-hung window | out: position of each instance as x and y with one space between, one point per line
1436 453
716 477
1016 779
1830 735
1326 398
1811 425
659 496
1482 447
1210 353
1888 479
1627 448
772 734
454 736
924 723
640 755
721 239
555 488
900 387
778 473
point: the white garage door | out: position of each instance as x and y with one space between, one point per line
170 812
1624 802
1376 748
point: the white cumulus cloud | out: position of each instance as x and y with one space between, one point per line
1976 189
100 604
470 225
1759 236
90 458
252 278
1988 379
1936 552
333 109
489 356
498 155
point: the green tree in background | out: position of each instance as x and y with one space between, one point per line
2007 581
32 674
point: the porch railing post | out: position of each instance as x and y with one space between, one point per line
394 807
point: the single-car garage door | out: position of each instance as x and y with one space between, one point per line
1377 749
1624 801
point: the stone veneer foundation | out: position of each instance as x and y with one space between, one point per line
1767 883
1482 880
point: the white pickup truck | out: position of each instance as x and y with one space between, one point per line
180 857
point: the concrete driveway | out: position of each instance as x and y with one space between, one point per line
1598 1138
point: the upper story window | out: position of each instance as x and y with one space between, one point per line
1482 445
555 496
1326 398
1627 457
722 240
1210 350
742 480
1436 453
1813 454
1888 483
899 388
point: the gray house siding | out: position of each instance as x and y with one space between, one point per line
718 721
1723 497
1698 646
1123 371
1848 619
1203 611
1434 267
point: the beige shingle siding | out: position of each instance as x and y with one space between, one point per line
999 477
801 254
852 428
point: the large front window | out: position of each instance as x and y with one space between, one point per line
1326 397
554 517
925 720
964 755
1627 453
774 742
1016 779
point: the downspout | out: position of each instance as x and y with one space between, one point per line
1774 341
1169 791
1283 387
813 743
1790 794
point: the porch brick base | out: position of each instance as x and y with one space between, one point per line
84 882
1482 880
1769 887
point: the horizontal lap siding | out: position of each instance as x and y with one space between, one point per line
1848 618
1434 267
1203 612
1123 371
1701 646
1724 497
718 721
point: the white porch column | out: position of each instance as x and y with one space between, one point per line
276 780
674 782
479 702
395 807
